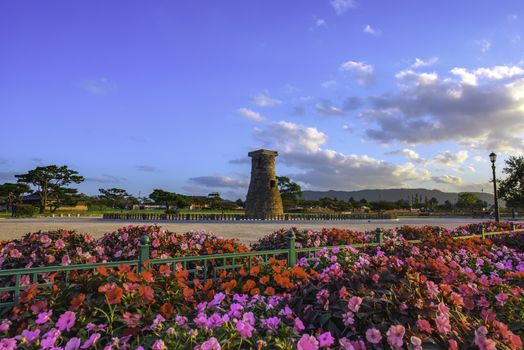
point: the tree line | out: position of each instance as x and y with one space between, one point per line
52 186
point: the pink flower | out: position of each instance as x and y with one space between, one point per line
15 253
482 341
59 244
8 344
416 342
307 342
452 344
66 321
354 303
424 326
395 335
443 325
66 260
501 298
159 345
326 339
373 336
210 344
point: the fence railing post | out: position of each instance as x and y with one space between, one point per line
291 254
482 231
143 255
512 227
379 236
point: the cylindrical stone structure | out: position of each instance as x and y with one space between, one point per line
263 198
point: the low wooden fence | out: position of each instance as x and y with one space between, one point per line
242 217
203 267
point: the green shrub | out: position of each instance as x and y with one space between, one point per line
26 210
172 211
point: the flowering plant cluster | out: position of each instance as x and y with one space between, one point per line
438 294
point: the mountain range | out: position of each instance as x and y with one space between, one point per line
393 194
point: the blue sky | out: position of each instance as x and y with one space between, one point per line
173 94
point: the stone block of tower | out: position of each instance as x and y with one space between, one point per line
263 198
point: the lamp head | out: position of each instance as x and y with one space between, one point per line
492 157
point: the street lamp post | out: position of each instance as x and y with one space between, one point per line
493 158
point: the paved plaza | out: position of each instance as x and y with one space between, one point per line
247 232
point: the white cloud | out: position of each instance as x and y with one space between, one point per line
513 17
342 6
424 63
319 22
484 45
480 110
255 116
263 100
449 158
411 154
219 181
370 30
99 86
448 179
417 78
326 109
363 72
477 158
328 84
303 148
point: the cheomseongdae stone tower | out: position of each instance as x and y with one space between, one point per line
263 198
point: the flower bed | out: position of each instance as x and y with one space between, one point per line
439 294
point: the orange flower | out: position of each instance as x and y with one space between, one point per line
132 277
299 272
188 294
255 270
250 284
264 279
242 272
147 276
103 271
124 268
228 286
146 293
270 291
77 301
112 292
254 291
164 270
167 310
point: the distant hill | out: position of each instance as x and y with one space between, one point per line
392 195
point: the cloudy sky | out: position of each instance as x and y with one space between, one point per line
353 94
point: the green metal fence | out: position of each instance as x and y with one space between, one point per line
202 267
242 217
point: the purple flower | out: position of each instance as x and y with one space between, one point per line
271 323
8 344
92 339
44 317
245 329
373 336
49 339
4 326
307 342
249 318
236 310
158 345
326 339
66 260
30 336
210 344
299 325
73 344
66 321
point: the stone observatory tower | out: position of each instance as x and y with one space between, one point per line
263 198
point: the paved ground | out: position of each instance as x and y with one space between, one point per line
247 232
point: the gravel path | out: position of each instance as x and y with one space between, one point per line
247 232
